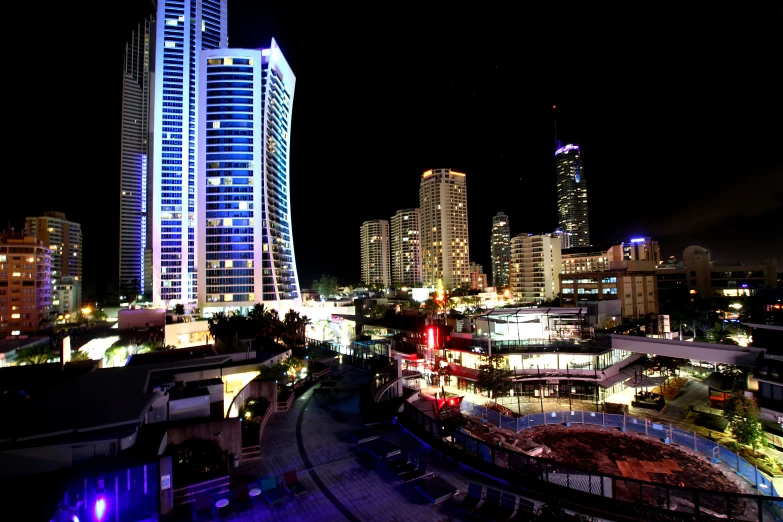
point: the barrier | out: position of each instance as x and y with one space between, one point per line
665 432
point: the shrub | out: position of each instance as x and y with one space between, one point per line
254 409
615 408
196 460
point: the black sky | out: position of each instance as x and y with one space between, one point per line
677 110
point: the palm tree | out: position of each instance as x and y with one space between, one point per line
218 326
39 354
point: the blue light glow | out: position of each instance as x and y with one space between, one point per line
637 240
100 508
567 148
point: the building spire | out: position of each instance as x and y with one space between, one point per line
554 115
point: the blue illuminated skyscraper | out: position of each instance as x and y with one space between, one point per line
243 217
571 197
183 29
135 247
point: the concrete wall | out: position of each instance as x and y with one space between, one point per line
189 408
141 318
227 432
255 390
193 333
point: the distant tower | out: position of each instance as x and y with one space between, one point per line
135 246
406 248
500 249
443 203
535 265
572 197
374 236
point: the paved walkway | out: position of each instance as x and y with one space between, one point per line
314 439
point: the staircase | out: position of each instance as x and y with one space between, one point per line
250 453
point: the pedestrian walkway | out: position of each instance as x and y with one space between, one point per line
314 439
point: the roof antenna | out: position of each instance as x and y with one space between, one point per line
557 142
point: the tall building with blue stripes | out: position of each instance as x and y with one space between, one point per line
183 28
135 274
243 207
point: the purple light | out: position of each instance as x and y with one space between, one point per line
100 508
638 240
567 148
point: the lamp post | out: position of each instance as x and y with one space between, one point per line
568 383
540 389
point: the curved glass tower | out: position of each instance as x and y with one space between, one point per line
246 252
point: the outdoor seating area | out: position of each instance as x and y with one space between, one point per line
650 400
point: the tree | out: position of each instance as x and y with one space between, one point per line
179 309
41 353
493 376
742 412
326 286
79 355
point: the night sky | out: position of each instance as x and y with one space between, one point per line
678 112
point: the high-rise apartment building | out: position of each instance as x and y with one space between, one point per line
63 238
445 252
571 197
183 28
535 267
406 248
25 289
243 207
374 237
500 250
478 279
135 246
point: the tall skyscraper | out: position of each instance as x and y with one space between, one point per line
135 246
406 248
245 244
571 197
64 239
374 237
535 266
501 249
443 203
183 28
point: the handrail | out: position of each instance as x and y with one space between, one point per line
383 389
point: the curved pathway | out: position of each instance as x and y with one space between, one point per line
309 465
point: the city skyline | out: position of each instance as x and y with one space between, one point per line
695 171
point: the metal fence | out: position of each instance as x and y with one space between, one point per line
665 432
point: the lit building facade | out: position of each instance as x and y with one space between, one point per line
478 279
633 283
577 260
443 203
374 237
64 240
406 248
700 275
572 197
501 250
637 249
25 285
135 246
183 29
246 251
534 267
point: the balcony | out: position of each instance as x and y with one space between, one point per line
481 345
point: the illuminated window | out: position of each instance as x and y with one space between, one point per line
169 45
